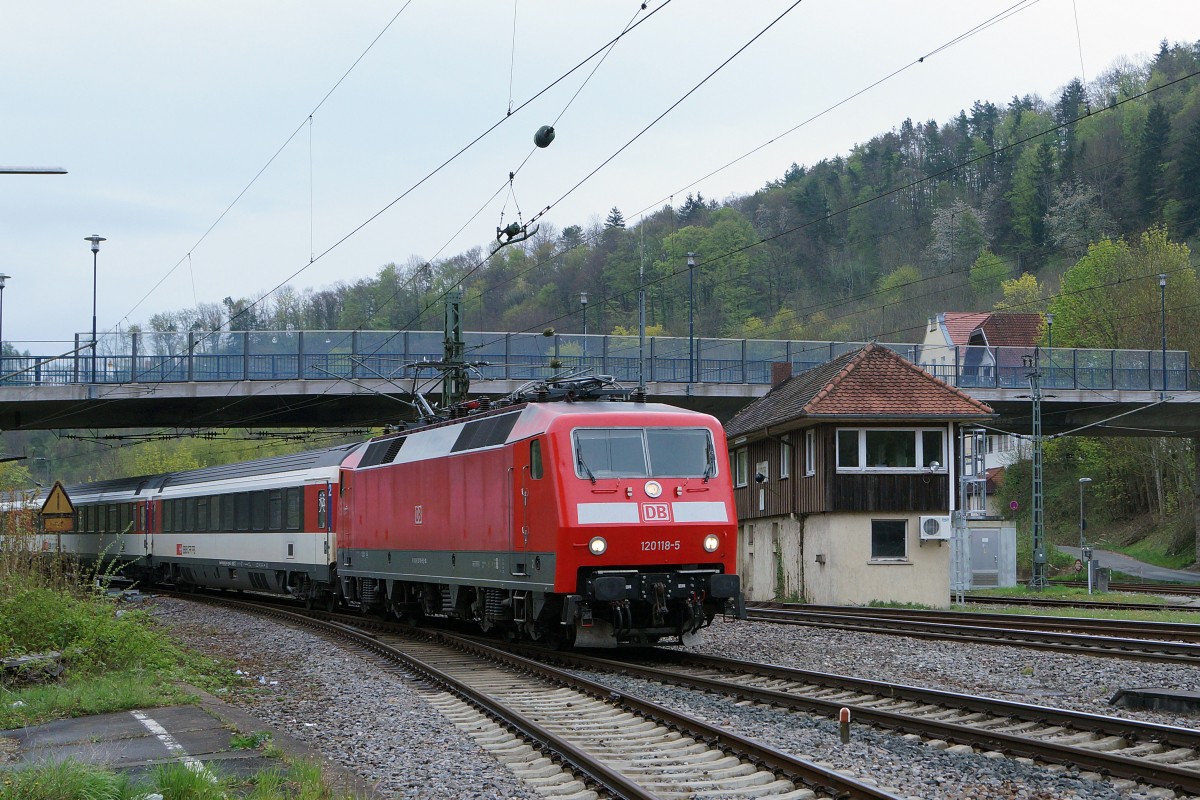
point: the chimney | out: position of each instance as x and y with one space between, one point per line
780 372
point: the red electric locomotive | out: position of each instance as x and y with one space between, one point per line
603 522
596 522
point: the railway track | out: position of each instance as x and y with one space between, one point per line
1051 602
1159 755
1177 589
1115 638
538 719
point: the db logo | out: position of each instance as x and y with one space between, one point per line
656 512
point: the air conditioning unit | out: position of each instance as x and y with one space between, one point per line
935 528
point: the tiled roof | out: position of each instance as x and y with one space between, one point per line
872 381
960 324
1012 330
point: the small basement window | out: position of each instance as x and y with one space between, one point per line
889 539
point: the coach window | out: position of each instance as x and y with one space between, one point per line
189 514
275 509
242 504
113 519
535 459
292 498
258 511
227 520
180 507
889 539
202 514
126 516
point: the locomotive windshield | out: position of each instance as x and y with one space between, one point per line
644 453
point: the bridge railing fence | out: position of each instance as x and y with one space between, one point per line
398 356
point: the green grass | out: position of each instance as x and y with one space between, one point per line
73 780
85 694
1151 551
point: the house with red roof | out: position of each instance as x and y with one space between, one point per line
845 480
978 343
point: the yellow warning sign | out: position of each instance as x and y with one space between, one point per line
57 503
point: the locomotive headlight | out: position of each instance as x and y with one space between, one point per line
653 489
711 542
598 545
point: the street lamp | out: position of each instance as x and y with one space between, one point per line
95 239
691 320
3 279
1162 294
1084 553
583 302
1050 344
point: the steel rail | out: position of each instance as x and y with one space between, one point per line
862 711
907 623
1128 628
1055 602
762 756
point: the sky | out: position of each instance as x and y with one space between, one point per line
226 147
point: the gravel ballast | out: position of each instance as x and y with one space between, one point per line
382 729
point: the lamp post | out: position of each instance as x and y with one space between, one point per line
1050 345
583 302
3 279
95 239
1084 552
691 320
1162 299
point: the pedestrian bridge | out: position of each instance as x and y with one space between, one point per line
349 378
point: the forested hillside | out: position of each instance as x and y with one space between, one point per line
1072 204
927 217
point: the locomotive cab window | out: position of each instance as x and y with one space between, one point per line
644 452
535 459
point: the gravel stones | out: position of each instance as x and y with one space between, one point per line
358 716
381 726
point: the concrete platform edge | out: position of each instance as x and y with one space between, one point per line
340 777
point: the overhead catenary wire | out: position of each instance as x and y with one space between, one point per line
917 182
250 306
269 162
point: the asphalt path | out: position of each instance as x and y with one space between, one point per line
1131 566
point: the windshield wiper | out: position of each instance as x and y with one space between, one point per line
710 468
579 460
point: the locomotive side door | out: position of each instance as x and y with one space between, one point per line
518 479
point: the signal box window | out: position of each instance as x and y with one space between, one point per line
890 450
889 539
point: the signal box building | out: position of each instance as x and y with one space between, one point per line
845 481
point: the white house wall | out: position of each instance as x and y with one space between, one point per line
848 576
770 555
